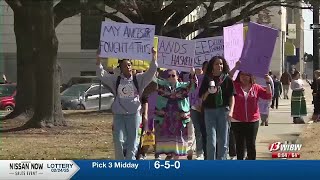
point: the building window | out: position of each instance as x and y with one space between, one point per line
90 29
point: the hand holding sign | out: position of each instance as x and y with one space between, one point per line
238 63
192 71
267 78
154 54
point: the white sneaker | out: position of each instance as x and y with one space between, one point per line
158 158
233 158
143 157
199 157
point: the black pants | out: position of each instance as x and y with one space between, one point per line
232 144
275 100
316 102
245 135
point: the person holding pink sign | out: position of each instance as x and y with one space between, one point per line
246 116
217 94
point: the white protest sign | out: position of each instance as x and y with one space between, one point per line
206 48
177 54
126 40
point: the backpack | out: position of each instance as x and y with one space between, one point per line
135 82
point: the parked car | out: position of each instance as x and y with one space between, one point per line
85 97
79 80
7 97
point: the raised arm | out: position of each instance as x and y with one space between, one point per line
103 75
265 93
193 80
145 78
233 71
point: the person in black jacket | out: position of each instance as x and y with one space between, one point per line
315 86
277 92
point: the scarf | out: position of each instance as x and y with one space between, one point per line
218 95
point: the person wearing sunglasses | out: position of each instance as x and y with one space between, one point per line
172 114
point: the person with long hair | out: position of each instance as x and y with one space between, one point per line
217 94
172 115
197 117
246 116
126 107
298 101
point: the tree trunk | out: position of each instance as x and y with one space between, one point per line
25 65
47 109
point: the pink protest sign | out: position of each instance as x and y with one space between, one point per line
258 49
194 96
152 101
233 43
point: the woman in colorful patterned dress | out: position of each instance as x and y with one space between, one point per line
172 115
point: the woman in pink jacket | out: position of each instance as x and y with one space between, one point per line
246 116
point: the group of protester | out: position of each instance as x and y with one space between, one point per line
225 117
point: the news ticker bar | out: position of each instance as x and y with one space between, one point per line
103 169
287 155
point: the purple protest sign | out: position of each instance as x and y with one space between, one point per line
193 96
152 102
258 49
233 43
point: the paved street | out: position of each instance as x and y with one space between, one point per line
281 127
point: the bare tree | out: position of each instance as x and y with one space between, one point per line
38 80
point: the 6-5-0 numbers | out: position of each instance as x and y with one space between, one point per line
167 165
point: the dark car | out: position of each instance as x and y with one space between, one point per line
85 97
7 97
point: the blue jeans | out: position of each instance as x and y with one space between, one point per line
217 127
126 131
199 131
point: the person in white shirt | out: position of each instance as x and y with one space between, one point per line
298 101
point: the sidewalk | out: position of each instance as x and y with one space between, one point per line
281 127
